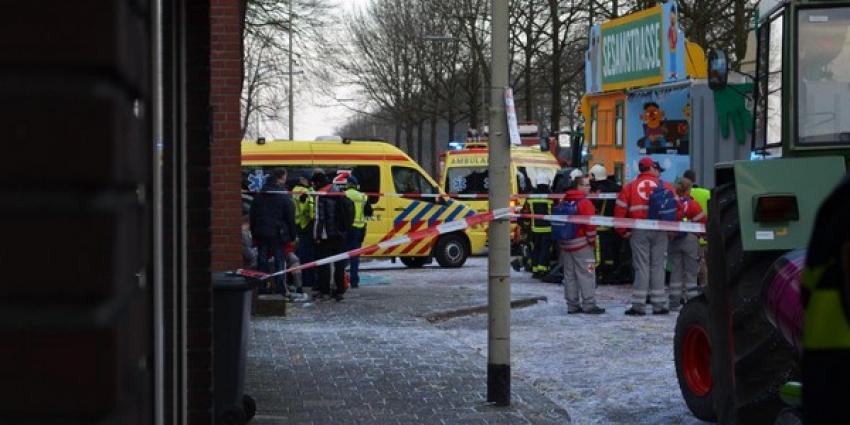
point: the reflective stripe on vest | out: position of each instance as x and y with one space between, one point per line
540 225
825 326
359 199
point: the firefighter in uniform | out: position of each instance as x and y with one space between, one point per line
649 247
355 235
541 230
608 243
826 327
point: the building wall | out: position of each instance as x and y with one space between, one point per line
226 86
605 151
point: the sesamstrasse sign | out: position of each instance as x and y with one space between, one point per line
637 50
632 51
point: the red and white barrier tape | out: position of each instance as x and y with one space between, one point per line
628 223
439 229
457 225
449 195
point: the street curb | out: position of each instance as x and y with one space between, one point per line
441 316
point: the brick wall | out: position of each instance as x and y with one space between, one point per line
226 85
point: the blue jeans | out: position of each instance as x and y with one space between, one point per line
354 240
266 250
306 252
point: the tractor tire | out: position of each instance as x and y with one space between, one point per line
414 262
451 250
692 354
750 360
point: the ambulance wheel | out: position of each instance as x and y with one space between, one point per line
750 360
414 262
692 355
451 250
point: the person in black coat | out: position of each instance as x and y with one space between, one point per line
272 222
334 217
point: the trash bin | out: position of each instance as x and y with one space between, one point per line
231 318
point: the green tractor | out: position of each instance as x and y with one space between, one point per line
736 356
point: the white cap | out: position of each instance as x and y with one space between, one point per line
576 174
598 172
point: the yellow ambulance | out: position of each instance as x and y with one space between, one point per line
464 172
379 168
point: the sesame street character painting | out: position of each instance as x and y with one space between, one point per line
673 40
653 131
593 61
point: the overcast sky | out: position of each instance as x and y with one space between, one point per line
315 117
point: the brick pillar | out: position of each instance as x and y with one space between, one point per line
226 87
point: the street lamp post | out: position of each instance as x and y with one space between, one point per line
291 113
499 277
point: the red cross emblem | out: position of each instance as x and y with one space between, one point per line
645 188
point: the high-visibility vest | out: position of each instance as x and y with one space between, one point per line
304 211
825 326
701 195
540 206
359 200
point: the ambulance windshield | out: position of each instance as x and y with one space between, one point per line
467 180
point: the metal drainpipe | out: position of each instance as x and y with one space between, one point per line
158 313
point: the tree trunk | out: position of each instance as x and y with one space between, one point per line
555 118
397 140
529 51
420 135
408 138
740 38
473 101
433 135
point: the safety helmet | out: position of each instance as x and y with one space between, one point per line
341 178
352 181
598 172
575 174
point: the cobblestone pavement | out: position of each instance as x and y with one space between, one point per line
374 359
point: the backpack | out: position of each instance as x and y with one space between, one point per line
562 231
344 214
662 203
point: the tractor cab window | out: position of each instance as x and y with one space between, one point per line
823 77
768 128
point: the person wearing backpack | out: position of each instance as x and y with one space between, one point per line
647 197
541 230
576 245
272 223
683 249
333 218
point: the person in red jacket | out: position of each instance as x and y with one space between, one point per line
649 247
577 255
683 249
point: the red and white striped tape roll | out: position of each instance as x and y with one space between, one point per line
627 223
439 229
453 195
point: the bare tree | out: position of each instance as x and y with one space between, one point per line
266 31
